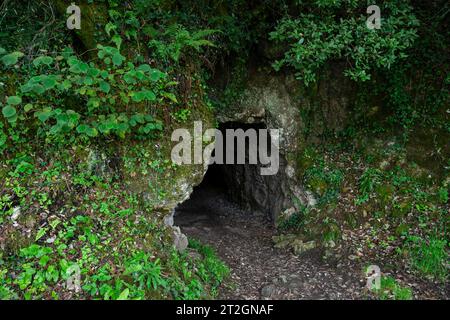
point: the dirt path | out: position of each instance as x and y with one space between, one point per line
259 270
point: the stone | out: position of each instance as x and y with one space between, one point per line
16 213
299 246
168 219
268 291
194 255
180 241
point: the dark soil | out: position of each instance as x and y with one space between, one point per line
258 270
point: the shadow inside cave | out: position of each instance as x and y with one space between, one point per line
230 190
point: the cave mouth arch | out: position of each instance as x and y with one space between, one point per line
227 189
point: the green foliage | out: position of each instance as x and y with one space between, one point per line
12 58
212 270
94 234
103 96
367 182
321 176
429 256
329 32
391 290
176 39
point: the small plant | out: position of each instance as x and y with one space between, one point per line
211 270
313 39
429 256
176 38
391 290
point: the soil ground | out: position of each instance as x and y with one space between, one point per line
258 270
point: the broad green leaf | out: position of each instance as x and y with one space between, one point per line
28 107
14 100
124 294
55 129
44 260
138 96
9 111
144 68
82 128
155 75
105 87
49 83
109 27
12 58
44 115
117 59
39 89
150 95
92 132
88 81
117 40
42 60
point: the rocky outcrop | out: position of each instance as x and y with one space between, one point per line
303 115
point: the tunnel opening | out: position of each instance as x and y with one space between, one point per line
228 190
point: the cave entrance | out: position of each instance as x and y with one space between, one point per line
229 189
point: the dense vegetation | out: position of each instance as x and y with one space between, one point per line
136 69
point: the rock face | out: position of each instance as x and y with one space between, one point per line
267 195
268 101
302 115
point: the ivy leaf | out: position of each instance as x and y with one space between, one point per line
14 100
9 111
12 58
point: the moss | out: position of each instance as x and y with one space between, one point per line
401 209
14 240
402 229
318 185
385 194
93 21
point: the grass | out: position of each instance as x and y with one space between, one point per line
429 256
391 290
211 270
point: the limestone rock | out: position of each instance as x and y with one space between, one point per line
180 241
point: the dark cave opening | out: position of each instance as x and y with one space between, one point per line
236 188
